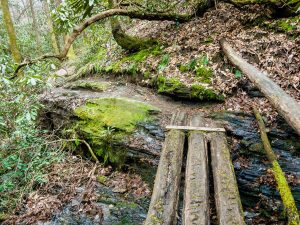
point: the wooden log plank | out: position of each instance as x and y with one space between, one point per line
196 194
195 128
164 200
228 203
288 107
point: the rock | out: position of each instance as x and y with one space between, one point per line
106 124
258 194
89 85
116 128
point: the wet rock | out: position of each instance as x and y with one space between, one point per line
259 196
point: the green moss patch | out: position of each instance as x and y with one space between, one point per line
133 59
174 87
199 67
90 85
106 123
202 93
285 25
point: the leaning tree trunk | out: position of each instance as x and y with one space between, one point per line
288 107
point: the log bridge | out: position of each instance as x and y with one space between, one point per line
201 148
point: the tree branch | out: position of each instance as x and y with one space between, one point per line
100 16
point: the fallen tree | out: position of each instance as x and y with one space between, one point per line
288 107
282 184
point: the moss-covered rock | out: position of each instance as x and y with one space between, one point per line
123 65
174 87
106 123
90 85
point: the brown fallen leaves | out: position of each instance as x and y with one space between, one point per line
65 180
277 54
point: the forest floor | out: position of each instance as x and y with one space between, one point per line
273 46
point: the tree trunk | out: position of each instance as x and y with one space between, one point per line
282 184
10 31
288 107
35 27
51 29
71 53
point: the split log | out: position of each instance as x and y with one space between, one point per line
282 184
227 199
288 107
164 201
196 194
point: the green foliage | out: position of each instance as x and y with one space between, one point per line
25 155
200 68
163 63
202 93
237 73
71 12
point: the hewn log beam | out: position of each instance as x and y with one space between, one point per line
164 200
196 193
288 107
227 198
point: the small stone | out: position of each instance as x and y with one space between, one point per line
119 190
110 206
75 202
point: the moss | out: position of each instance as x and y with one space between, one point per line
204 74
133 59
91 85
147 74
203 93
101 179
168 85
283 25
174 87
286 195
130 205
105 123
183 68
209 40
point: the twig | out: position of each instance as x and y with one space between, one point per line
282 184
90 150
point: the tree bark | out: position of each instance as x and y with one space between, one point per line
164 200
288 107
227 198
35 27
196 193
50 27
282 184
10 31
